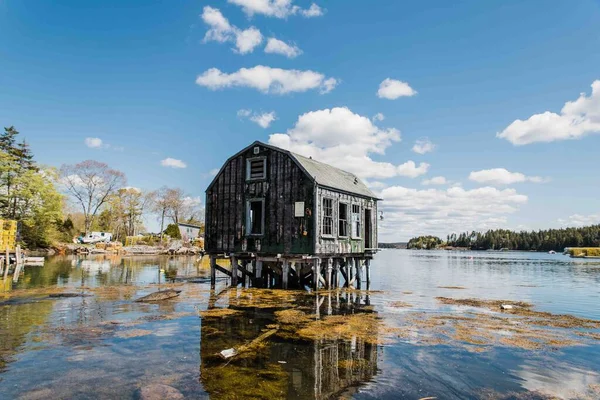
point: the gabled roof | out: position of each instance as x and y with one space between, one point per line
323 174
335 178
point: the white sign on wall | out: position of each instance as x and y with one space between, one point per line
299 209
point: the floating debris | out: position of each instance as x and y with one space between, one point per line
160 296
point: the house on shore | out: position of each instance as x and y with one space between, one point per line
189 232
303 220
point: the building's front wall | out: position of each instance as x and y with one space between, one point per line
188 232
351 242
227 202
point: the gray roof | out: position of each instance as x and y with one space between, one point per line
335 178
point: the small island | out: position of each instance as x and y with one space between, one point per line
585 239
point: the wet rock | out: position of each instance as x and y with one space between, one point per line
160 392
160 295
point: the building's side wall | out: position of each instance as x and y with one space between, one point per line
334 244
226 207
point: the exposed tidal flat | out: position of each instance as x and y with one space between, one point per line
431 325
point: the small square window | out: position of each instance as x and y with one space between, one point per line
256 168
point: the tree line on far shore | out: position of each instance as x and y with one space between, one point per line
55 205
542 240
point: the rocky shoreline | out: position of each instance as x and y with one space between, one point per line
71 248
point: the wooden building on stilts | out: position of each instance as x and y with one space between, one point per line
288 221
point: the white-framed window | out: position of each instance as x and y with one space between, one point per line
256 168
255 217
327 216
356 220
343 219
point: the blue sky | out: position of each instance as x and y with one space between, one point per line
126 72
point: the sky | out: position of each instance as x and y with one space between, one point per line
459 115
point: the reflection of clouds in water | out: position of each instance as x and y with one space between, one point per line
556 379
166 330
95 265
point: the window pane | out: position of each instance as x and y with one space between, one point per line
343 220
327 216
355 220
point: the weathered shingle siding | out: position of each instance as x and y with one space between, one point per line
284 185
344 245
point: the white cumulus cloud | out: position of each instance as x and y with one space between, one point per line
378 117
411 170
222 31
94 143
501 176
276 46
579 220
436 180
276 8
263 119
576 119
267 80
411 212
344 139
392 89
423 146
173 163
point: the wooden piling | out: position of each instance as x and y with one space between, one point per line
213 271
329 275
285 273
368 273
258 271
358 267
336 273
349 272
316 272
234 271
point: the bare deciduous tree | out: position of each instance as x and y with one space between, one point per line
175 204
91 183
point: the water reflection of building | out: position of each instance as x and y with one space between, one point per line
283 367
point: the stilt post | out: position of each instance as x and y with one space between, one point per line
234 271
349 271
285 273
213 271
258 270
329 272
358 264
316 272
368 273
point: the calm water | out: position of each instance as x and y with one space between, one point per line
105 345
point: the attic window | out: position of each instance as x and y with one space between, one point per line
256 168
